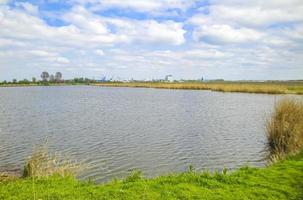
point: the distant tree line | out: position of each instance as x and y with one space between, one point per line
47 78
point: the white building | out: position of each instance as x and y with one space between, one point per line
169 78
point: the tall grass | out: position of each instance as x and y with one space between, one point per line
43 164
285 128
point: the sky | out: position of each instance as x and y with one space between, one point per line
148 39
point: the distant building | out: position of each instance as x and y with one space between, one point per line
169 78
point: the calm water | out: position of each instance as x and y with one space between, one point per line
118 130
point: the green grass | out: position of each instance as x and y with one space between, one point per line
282 180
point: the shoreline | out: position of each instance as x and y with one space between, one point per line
289 87
281 180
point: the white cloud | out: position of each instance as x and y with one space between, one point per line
226 34
86 30
128 30
28 7
86 21
235 22
151 31
251 13
139 5
257 16
24 27
99 52
42 53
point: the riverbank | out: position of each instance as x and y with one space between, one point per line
282 180
279 87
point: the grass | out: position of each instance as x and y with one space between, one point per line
285 128
282 180
245 87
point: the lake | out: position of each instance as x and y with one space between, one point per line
117 130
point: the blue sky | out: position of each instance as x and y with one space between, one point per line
147 39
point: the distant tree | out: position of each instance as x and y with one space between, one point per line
4 82
34 80
24 81
58 76
14 80
44 76
52 78
78 80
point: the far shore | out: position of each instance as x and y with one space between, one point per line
267 87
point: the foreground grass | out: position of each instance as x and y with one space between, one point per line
287 87
283 180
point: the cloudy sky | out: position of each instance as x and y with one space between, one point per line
144 39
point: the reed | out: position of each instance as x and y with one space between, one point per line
285 128
245 87
43 164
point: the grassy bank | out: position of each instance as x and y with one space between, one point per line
246 87
283 180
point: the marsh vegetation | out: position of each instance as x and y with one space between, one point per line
287 87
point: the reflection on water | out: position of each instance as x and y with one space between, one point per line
117 130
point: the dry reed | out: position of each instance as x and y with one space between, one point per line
285 128
42 164
266 88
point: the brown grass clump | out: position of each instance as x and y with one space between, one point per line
42 164
285 128
6 177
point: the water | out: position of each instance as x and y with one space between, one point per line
117 130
